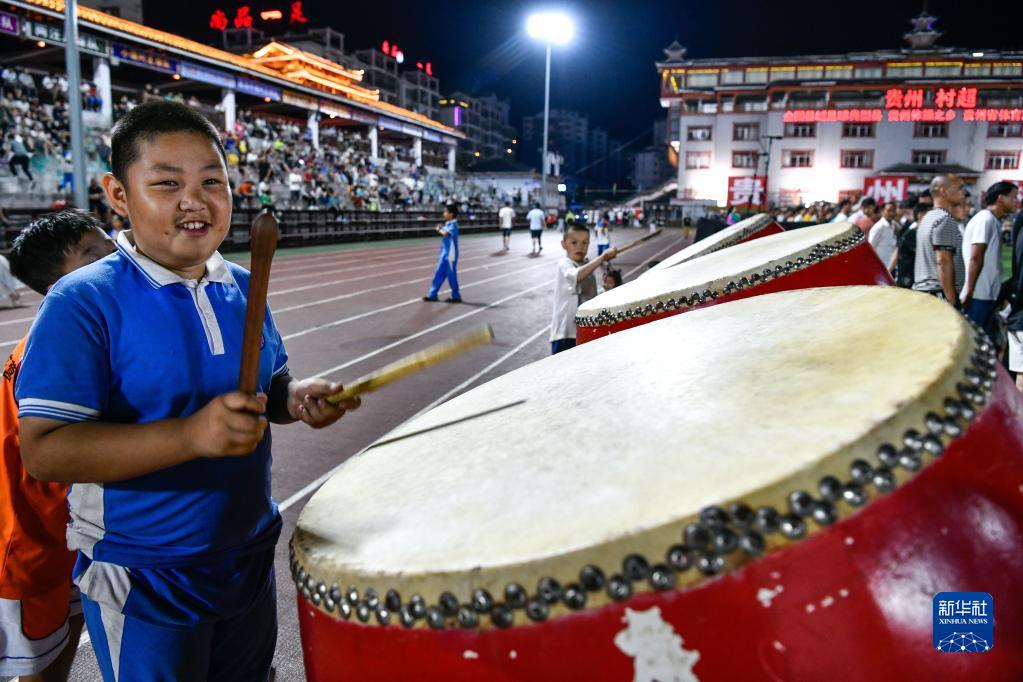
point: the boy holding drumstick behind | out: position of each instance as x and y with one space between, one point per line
128 392
574 283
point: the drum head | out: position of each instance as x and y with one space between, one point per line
613 448
729 236
721 272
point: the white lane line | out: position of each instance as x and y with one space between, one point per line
349 266
15 321
475 377
336 323
314 485
439 325
370 276
287 264
5 344
646 260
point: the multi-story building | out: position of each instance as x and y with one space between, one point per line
485 122
380 71
420 92
822 127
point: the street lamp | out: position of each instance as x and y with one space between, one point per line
550 28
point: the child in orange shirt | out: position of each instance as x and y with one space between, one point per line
40 610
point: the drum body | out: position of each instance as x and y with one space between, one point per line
754 227
760 267
838 586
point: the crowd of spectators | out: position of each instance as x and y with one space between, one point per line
271 159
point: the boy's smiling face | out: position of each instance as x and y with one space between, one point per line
177 198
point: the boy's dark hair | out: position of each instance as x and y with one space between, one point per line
452 209
146 121
37 257
616 275
999 189
572 225
868 201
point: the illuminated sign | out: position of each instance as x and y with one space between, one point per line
833 115
944 98
747 190
244 18
218 21
1000 115
205 74
886 188
257 89
145 58
393 50
37 30
8 24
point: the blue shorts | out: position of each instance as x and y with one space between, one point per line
239 647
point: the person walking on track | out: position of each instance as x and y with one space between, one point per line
448 262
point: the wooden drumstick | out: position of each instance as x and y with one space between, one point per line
263 243
634 244
414 363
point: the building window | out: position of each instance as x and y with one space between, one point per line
857 130
783 73
867 72
1005 129
975 70
800 130
756 75
746 131
701 80
929 157
733 77
1001 160
810 72
898 71
698 133
857 158
930 129
1008 69
697 160
744 159
797 158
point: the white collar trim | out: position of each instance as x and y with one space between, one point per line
159 276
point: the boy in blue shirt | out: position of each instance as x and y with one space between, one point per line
448 262
128 392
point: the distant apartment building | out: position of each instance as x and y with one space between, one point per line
485 122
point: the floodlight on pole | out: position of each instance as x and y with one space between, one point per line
551 28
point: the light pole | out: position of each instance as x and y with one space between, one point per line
79 180
551 28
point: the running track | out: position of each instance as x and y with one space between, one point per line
346 310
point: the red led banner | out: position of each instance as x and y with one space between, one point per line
830 115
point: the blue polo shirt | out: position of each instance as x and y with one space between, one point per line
127 341
449 244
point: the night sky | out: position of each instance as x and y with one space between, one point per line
608 71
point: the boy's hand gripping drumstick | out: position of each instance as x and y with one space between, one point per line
263 243
414 363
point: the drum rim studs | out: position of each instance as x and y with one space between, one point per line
677 300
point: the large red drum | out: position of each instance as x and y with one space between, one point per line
835 254
754 227
782 502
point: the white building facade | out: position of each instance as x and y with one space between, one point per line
793 130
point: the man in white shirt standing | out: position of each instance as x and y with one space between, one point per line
505 217
536 219
982 242
883 238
